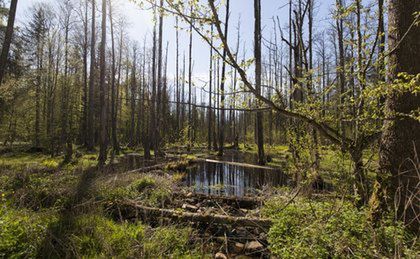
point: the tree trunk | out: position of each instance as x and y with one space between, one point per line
177 92
7 39
190 86
400 141
102 91
84 119
159 104
115 145
90 121
222 90
209 132
257 53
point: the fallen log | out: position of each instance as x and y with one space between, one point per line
239 202
148 168
153 212
237 164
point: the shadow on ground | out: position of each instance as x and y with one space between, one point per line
57 243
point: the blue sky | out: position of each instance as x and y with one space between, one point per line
140 24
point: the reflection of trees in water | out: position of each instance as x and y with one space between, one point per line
227 179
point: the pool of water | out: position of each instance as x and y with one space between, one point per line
232 180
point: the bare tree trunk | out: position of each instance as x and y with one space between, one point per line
133 91
190 137
153 125
115 145
83 123
65 91
102 91
159 104
222 90
210 93
257 54
7 38
178 126
90 121
145 132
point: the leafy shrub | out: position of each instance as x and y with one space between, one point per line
323 229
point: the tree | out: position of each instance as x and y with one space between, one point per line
257 55
401 135
102 93
115 145
222 90
90 122
8 38
210 111
190 137
159 102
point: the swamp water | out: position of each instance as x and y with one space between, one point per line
220 178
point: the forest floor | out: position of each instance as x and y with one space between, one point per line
135 208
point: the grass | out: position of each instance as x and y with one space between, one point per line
330 228
50 210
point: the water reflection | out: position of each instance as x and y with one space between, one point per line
232 180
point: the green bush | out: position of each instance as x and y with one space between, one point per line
315 229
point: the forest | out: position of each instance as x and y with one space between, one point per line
209 129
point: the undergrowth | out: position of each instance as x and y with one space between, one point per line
333 229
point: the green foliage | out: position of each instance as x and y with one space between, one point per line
22 231
145 182
50 163
168 240
330 229
97 236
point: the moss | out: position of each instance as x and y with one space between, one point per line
180 165
145 182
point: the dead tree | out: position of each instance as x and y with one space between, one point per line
222 90
257 55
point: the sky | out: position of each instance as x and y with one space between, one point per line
140 23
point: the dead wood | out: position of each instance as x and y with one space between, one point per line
153 212
238 202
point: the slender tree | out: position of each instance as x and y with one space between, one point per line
222 90
102 93
257 56
90 121
7 38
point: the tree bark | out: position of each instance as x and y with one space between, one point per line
7 38
210 111
90 121
115 145
222 90
102 91
257 54
400 141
